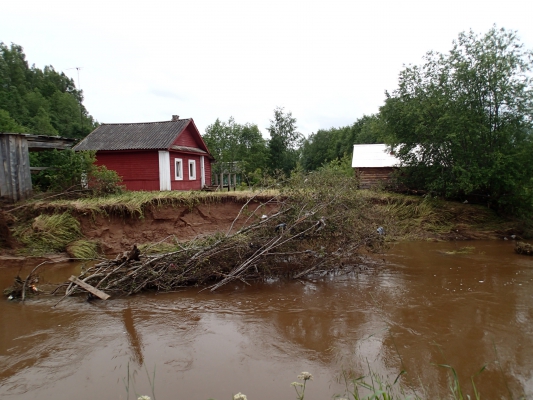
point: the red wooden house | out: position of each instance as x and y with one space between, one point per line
167 155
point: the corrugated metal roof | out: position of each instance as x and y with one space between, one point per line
372 156
136 136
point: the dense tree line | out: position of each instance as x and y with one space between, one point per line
241 147
333 144
39 101
462 123
286 148
237 148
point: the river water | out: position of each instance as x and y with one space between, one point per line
421 304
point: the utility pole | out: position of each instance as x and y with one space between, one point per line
79 88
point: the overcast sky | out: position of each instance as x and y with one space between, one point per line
328 62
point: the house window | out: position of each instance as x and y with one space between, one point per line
179 169
192 170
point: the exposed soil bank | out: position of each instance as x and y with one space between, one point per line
118 230
117 227
115 233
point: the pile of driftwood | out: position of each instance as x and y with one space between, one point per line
310 232
293 242
524 248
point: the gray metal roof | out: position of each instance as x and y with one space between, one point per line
136 136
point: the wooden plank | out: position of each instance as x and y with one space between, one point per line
60 145
4 150
12 167
89 288
24 169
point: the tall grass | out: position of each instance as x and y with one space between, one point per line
48 233
83 249
134 203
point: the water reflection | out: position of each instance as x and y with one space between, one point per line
133 336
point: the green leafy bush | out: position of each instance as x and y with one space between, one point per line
70 170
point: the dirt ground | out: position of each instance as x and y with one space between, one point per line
117 233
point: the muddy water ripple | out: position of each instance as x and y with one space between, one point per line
422 304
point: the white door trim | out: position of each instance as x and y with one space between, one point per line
164 171
202 171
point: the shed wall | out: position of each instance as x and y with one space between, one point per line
369 177
15 176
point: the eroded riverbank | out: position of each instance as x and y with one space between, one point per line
114 224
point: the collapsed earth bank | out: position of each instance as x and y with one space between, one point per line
116 226
170 223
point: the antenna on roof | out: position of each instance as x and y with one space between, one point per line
79 88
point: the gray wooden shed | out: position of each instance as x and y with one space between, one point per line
15 170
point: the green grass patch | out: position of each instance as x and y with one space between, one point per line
83 249
131 203
48 233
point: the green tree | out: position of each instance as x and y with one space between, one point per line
41 123
285 141
41 101
462 121
8 124
237 147
332 144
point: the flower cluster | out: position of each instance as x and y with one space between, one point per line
305 376
239 396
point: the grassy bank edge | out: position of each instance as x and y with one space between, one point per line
404 217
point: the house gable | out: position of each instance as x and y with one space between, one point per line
190 140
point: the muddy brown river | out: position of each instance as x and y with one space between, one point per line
422 305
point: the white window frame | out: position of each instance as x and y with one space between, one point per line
178 169
192 163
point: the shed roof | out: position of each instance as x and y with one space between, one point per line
373 156
43 142
134 136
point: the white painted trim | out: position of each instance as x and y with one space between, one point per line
178 169
164 170
202 171
192 177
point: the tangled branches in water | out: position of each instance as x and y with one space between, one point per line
317 226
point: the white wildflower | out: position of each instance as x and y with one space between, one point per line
305 376
144 398
297 384
239 396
